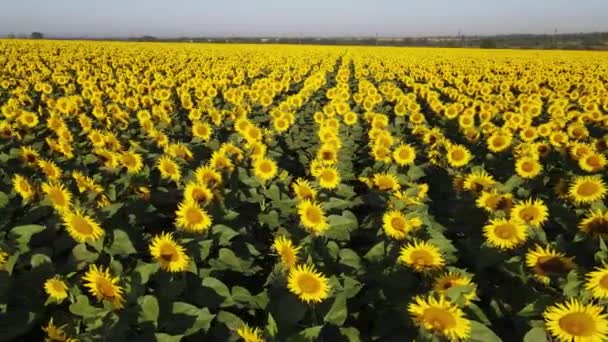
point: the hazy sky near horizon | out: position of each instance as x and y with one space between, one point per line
162 18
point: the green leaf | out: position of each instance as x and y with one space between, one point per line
225 234
121 245
112 209
350 258
352 334
341 226
3 199
338 312
232 321
82 254
145 271
241 294
271 326
351 287
415 172
537 334
162 337
81 307
481 333
307 335
40 259
376 253
205 248
203 316
227 259
23 234
149 309
216 285
271 219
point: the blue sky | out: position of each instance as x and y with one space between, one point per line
164 18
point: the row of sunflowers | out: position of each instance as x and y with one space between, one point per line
178 192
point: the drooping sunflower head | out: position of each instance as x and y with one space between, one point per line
532 212
304 190
587 189
312 217
494 200
50 169
450 280
208 176
505 234
198 192
23 187
192 218
574 321
478 181
103 286
308 284
168 253
546 262
595 224
440 316
421 256
287 251
386 181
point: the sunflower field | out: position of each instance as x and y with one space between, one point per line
200 192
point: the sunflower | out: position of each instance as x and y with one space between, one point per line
308 284
499 142
458 155
440 316
197 192
592 162
386 181
50 169
350 118
169 169
287 251
397 226
505 234
56 333
3 258
493 201
327 154
597 282
421 256
80 226
132 161
192 218
59 196
56 289
448 280
546 262
220 161
532 212
103 286
528 167
312 217
23 187
86 183
169 254
29 155
264 169
478 181
404 154
250 334
304 190
587 189
595 224
574 321
208 176
202 130
328 177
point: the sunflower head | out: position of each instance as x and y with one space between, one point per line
56 288
312 217
532 212
595 224
304 190
587 189
421 256
597 282
505 234
103 286
308 284
440 316
328 177
192 218
546 262
168 253
574 321
287 251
